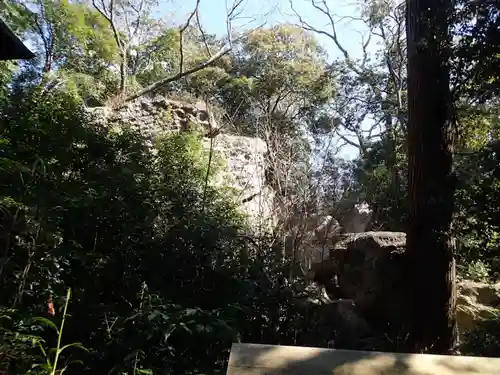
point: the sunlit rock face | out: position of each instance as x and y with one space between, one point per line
354 217
244 157
309 238
245 172
477 301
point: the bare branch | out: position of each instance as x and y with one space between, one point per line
108 14
181 34
203 35
232 14
165 81
210 61
325 10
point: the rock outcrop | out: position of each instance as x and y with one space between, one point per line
244 156
154 116
354 217
364 267
367 269
477 301
308 237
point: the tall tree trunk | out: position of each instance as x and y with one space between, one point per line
431 265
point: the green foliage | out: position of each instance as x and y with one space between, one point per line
484 340
7 69
382 186
50 365
163 52
476 270
160 55
477 214
162 275
75 25
280 70
477 51
163 271
16 346
476 222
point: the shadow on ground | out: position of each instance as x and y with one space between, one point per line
251 359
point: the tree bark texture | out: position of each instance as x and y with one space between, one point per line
430 249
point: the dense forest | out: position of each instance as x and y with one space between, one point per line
117 259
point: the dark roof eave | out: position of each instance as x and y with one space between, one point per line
11 47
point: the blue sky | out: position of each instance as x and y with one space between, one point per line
213 17
256 12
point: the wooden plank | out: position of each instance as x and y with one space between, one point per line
254 359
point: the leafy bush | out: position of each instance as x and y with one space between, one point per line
163 278
476 270
478 216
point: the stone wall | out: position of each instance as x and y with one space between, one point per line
244 156
157 115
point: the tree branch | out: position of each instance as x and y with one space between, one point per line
108 14
325 10
165 81
181 35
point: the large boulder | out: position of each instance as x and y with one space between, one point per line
367 268
476 301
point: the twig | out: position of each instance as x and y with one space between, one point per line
165 81
181 34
